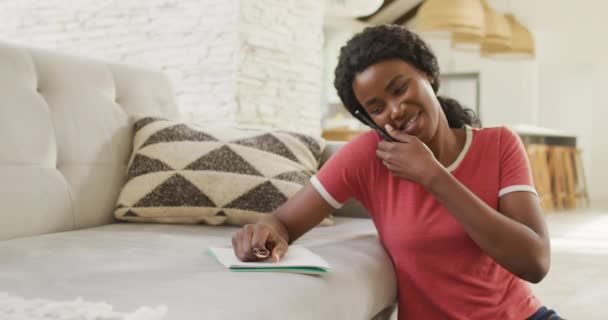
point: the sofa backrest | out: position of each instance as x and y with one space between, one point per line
65 136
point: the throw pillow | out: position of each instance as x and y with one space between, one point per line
184 173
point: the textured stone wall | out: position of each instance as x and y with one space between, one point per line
248 61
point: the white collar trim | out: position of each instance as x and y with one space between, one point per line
467 144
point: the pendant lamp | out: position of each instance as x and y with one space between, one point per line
464 17
351 8
497 33
522 43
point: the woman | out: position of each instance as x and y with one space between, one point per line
454 206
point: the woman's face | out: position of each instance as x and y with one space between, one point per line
394 92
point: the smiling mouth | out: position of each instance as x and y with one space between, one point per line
410 123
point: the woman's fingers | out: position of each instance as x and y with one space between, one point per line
389 166
279 250
241 244
260 237
399 135
237 245
256 242
383 155
260 243
386 146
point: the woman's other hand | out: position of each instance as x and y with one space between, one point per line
259 238
408 159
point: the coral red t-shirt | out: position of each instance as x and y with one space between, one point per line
441 272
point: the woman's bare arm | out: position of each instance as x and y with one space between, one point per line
302 212
515 236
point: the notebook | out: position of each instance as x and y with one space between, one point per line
298 259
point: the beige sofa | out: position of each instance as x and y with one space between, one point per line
65 137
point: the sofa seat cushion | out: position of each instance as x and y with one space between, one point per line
129 266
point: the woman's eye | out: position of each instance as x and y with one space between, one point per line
400 90
376 110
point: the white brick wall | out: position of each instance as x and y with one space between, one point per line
281 45
255 62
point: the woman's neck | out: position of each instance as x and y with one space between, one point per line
447 143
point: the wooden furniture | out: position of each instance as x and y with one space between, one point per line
538 155
557 168
561 168
558 176
580 186
341 134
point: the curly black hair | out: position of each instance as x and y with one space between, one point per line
379 43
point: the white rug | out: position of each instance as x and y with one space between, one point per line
17 308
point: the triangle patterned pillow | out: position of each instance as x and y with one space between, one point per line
184 173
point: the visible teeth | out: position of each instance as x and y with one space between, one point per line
411 120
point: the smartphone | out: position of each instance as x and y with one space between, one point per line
365 118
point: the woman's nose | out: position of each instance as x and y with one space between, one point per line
398 110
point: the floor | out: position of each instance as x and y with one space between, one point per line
577 284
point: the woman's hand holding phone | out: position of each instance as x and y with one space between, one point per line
411 159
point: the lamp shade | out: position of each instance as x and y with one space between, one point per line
522 43
464 17
497 33
351 8
466 42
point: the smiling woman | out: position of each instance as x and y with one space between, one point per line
493 225
454 204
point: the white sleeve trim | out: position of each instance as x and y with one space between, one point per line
521 187
317 184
